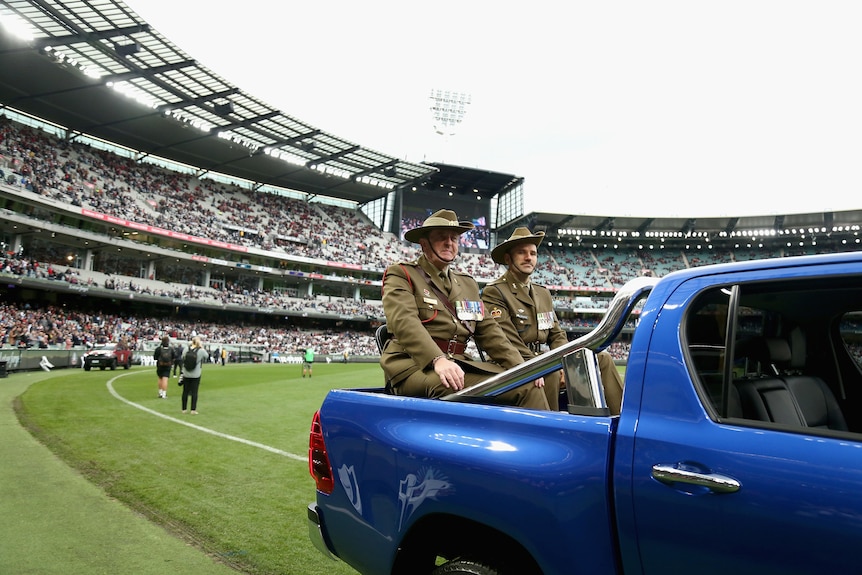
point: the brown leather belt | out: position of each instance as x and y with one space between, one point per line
450 347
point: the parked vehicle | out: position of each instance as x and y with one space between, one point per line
108 356
737 449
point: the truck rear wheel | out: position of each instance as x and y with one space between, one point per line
462 567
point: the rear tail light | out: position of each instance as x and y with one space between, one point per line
318 460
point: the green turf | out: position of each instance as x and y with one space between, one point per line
239 496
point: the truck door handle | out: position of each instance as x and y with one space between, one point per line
681 473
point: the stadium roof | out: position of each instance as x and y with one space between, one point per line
94 67
608 229
464 180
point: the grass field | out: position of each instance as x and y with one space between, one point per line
232 481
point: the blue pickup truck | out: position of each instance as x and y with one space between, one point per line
738 448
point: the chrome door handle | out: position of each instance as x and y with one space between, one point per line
669 474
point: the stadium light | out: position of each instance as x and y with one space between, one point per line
448 110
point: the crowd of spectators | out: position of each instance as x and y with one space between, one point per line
23 326
50 326
67 172
336 306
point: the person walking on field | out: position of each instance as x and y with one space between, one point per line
164 357
178 360
191 378
307 361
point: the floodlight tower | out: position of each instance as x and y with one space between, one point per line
448 109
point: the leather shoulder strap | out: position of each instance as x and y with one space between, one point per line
444 299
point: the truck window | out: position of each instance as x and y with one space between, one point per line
851 335
583 387
780 354
705 332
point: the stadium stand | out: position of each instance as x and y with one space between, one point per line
47 180
194 251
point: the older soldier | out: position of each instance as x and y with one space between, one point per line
525 311
432 311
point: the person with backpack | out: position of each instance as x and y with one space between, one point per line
190 379
178 360
164 357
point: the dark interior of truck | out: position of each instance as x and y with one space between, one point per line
780 354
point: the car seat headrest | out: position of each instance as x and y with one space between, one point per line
771 353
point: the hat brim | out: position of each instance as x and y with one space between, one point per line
498 254
417 234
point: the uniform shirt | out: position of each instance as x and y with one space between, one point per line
415 315
524 312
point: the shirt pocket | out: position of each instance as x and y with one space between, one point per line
428 307
522 322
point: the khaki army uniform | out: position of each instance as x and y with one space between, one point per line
526 314
423 328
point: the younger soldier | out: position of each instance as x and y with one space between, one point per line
525 311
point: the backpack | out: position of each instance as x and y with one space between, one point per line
190 359
166 357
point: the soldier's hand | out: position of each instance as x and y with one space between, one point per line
451 374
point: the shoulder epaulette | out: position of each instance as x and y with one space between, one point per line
411 263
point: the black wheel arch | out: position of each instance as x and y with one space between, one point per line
452 537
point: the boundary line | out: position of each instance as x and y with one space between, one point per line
112 391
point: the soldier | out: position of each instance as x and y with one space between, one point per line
432 312
525 311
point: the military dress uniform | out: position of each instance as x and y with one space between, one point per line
423 328
526 314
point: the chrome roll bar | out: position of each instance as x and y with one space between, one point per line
608 329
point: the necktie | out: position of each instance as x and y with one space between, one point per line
447 285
